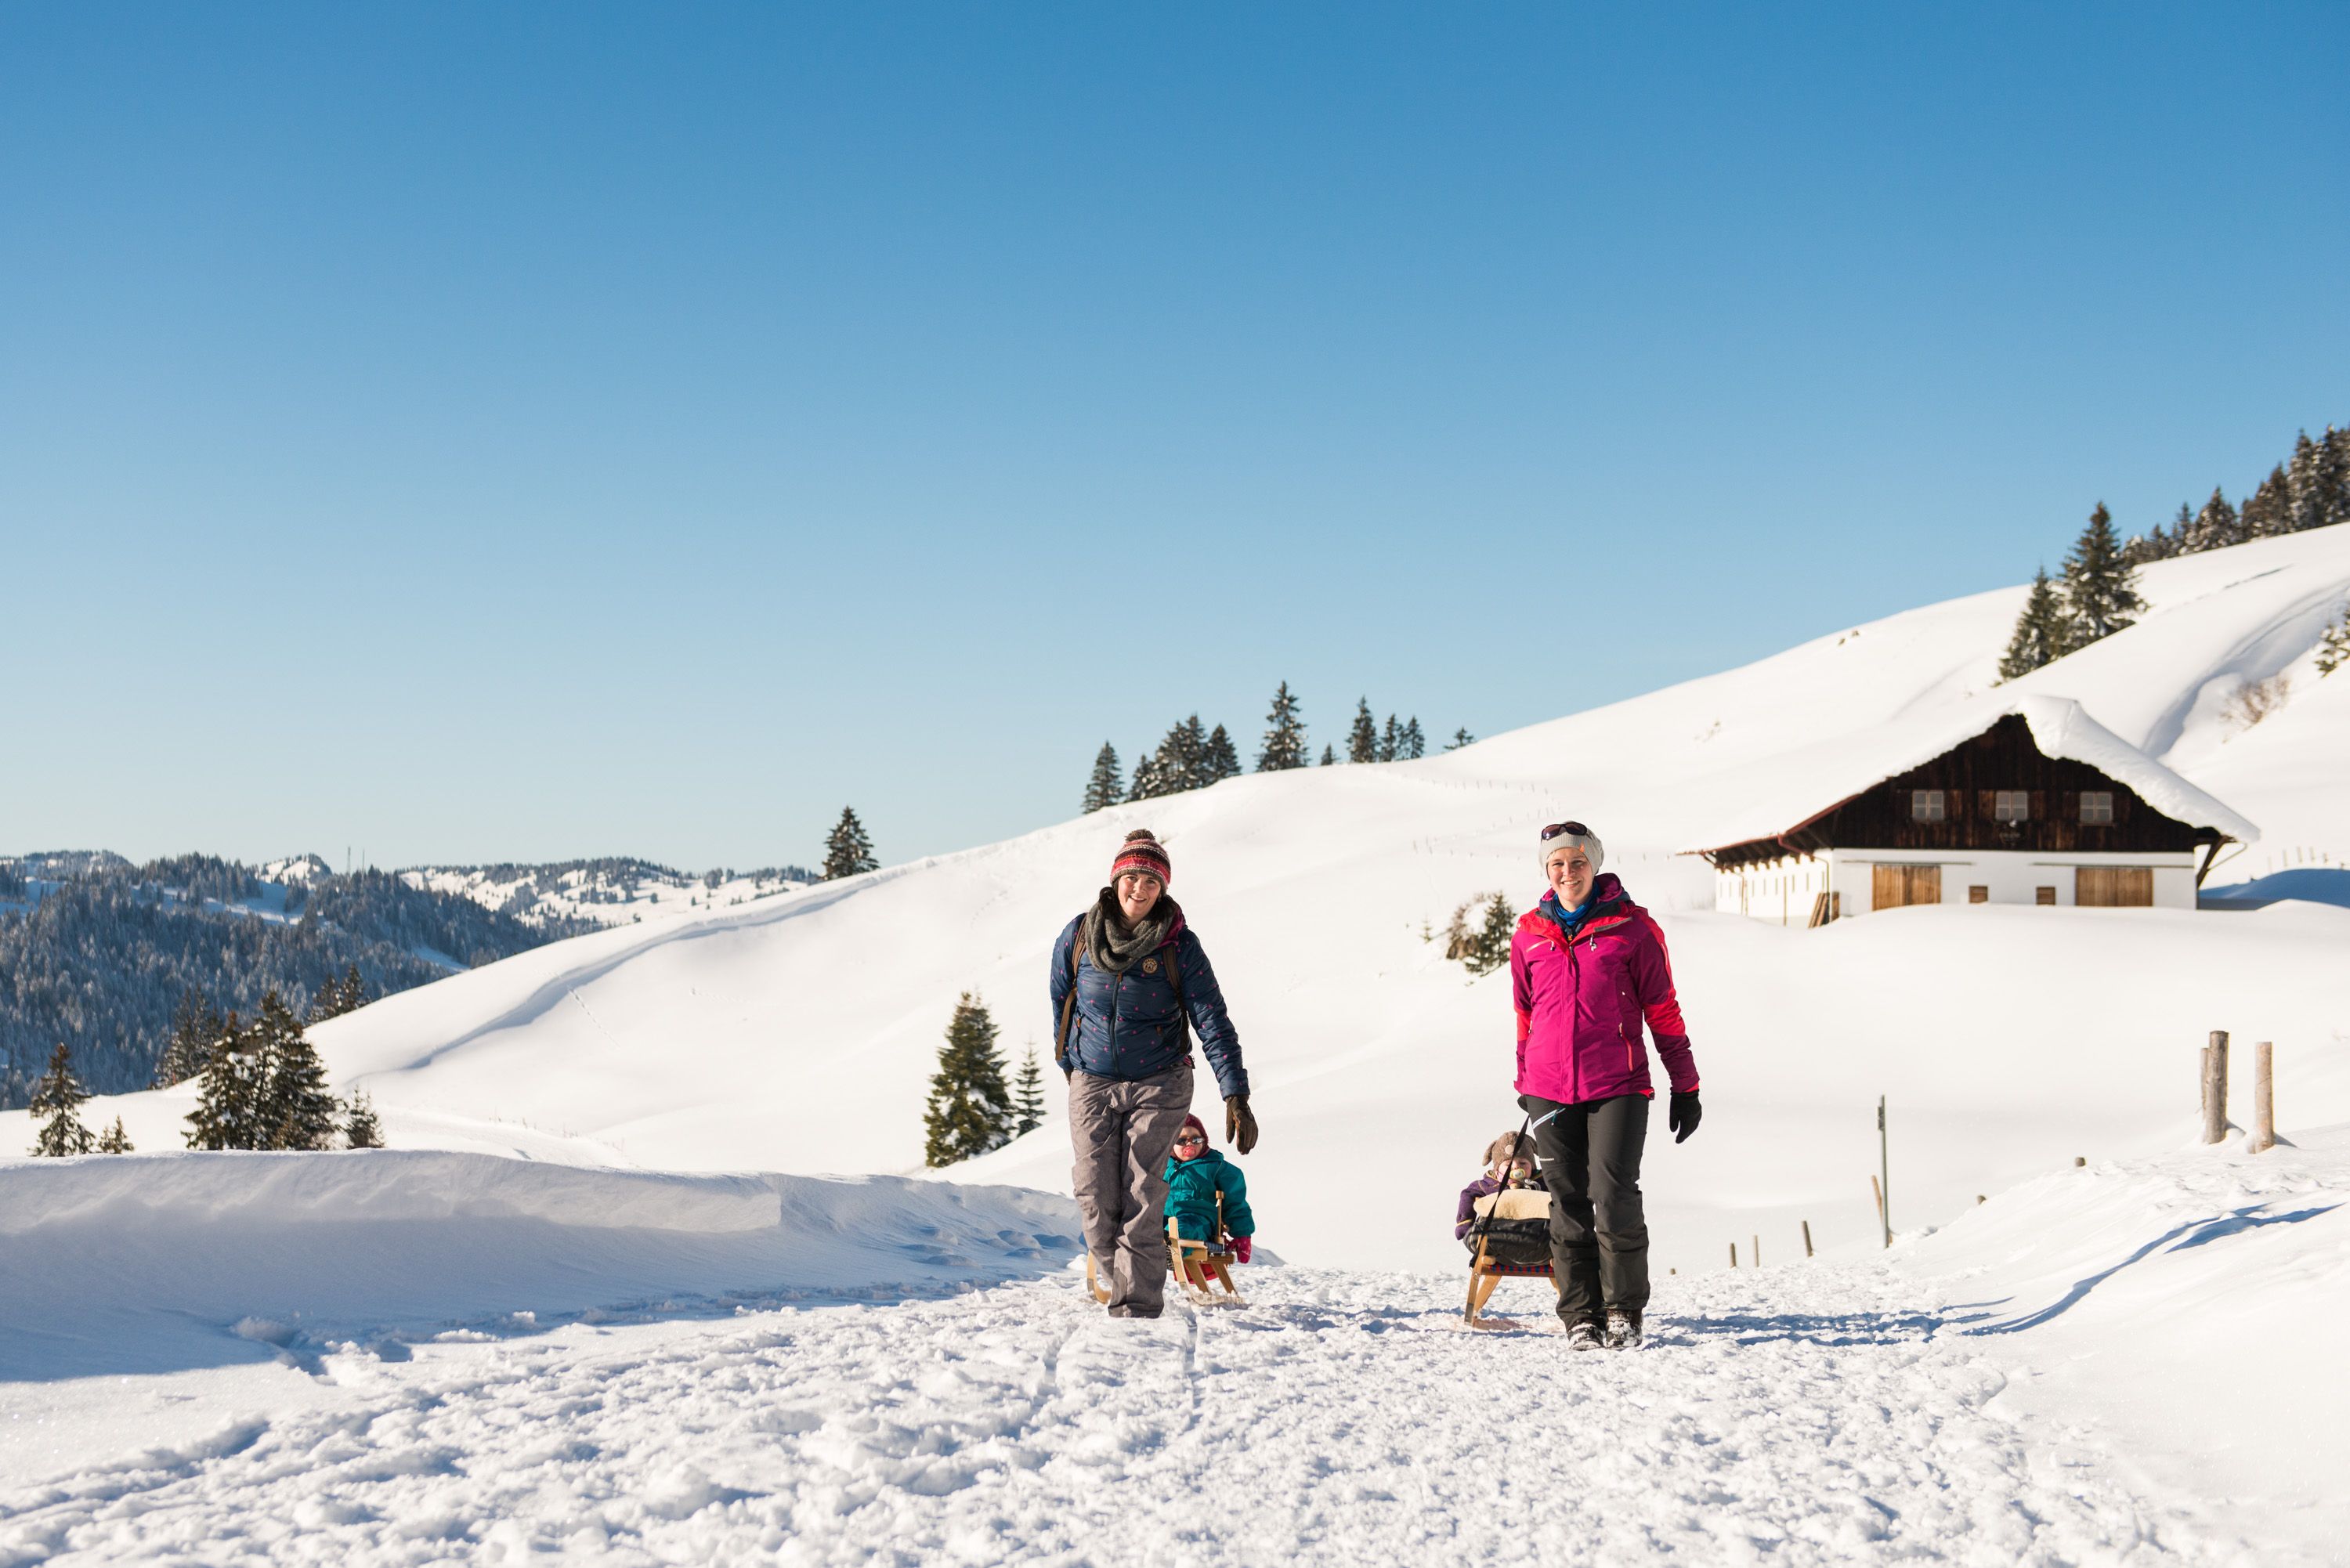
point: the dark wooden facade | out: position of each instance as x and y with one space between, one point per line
1971 774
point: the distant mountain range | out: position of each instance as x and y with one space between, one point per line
98 952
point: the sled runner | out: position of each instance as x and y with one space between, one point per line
1513 1230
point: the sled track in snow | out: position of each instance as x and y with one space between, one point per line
1803 1415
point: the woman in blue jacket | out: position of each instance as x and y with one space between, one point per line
1129 983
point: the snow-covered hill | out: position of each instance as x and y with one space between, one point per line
797 1033
615 891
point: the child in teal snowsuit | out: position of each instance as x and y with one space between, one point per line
1195 1175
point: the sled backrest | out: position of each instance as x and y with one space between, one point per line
1516 1203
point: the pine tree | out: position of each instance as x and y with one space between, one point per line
2100 590
1284 736
1390 739
1460 737
2042 635
2215 527
194 1027
1028 1097
293 1109
2333 647
1362 739
1218 760
970 1111
2269 511
361 1128
1150 779
1411 745
1329 756
59 1096
1489 950
227 1092
1183 755
1108 784
114 1140
847 851
2306 483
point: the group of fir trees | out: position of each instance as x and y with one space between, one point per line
847 851
969 1110
2309 490
2334 647
2097 595
56 1102
262 1086
1192 757
1487 948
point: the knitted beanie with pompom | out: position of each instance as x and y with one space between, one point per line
1141 852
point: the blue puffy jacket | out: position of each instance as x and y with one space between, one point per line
1125 1025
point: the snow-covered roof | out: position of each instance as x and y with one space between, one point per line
1785 792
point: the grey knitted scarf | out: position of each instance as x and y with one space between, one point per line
1112 946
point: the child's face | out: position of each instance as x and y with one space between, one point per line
1189 1144
1520 1169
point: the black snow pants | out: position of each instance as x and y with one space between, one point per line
1590 1156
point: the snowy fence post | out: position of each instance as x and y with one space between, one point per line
2263 1097
1885 1163
2215 1087
1734 1254
1808 1238
1758 1251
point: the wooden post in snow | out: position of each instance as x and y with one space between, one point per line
2264 1097
1734 1254
2215 1088
1808 1238
1884 1163
1878 1193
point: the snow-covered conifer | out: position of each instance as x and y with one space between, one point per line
1219 759
969 1110
1412 745
2333 647
360 1127
194 1027
294 1110
1028 1097
228 1091
1329 756
2042 631
1460 737
848 852
2100 588
1390 738
1107 786
2267 512
1151 779
1362 739
2216 526
114 1140
1284 735
57 1099
1489 950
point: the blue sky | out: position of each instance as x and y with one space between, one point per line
484 433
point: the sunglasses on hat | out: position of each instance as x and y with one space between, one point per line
1555 829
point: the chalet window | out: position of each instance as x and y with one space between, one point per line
2043 895
1978 894
2010 806
1926 806
2097 806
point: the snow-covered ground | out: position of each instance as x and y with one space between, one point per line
2068 1375
616 892
2079 1369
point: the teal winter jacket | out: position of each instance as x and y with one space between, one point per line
1191 1188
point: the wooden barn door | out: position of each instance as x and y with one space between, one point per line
2114 886
1892 887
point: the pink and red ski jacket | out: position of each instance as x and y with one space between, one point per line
1582 1000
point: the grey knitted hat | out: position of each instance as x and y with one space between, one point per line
1561 836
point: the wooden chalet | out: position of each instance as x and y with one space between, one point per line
2032 804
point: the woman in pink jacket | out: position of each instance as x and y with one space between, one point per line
1589 969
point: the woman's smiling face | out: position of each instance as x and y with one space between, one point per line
1137 894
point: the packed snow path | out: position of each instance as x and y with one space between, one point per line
1815 1414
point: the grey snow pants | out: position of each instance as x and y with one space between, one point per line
1123 1132
1590 1158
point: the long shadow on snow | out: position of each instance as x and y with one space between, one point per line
2192 1233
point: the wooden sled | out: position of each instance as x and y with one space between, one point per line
1203 1269
1485 1271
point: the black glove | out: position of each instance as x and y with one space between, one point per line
1683 1114
1240 1128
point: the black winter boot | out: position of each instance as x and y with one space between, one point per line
1623 1328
